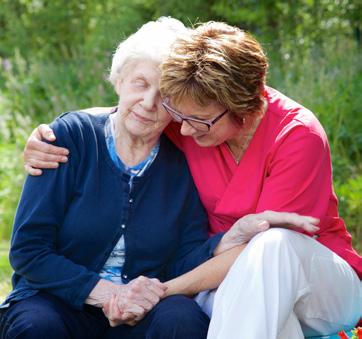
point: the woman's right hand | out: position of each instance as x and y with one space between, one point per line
250 225
39 154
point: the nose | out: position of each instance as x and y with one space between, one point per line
151 100
187 129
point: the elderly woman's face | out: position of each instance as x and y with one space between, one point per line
140 101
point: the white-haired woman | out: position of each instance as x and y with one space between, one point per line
122 215
91 233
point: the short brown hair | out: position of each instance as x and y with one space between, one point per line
216 62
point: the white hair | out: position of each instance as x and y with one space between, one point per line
151 42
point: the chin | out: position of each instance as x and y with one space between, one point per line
204 141
136 131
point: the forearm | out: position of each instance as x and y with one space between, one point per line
208 275
227 243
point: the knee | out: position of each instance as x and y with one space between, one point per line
184 310
34 324
179 317
275 237
275 243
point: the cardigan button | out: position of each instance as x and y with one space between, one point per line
123 226
130 201
125 276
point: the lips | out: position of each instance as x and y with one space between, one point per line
141 118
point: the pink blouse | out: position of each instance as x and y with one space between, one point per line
287 167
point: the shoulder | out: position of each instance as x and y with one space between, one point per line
173 133
170 150
173 160
79 131
100 110
81 118
78 124
286 116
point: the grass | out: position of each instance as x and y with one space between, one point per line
5 270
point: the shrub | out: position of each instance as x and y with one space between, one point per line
350 207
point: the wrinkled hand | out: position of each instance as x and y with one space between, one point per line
133 301
250 225
39 154
116 316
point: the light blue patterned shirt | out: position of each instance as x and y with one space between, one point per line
112 269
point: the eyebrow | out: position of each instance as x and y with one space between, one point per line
189 116
195 116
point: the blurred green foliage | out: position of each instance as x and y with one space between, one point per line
54 57
5 270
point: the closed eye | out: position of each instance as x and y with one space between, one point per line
139 82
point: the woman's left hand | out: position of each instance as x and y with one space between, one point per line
248 226
118 316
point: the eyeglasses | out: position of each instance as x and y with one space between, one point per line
199 124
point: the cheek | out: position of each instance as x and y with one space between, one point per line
166 119
162 113
216 135
127 99
226 129
122 103
163 117
219 136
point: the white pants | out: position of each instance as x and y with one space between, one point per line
284 285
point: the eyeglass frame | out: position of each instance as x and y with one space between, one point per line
180 118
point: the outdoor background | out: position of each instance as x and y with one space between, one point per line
54 57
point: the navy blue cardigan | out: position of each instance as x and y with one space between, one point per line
69 220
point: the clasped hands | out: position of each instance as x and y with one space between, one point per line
128 304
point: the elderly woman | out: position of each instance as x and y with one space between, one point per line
91 229
251 149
